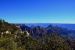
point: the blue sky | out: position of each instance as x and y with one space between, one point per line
38 11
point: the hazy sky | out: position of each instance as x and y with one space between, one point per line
38 11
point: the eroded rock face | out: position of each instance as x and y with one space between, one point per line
7 32
27 33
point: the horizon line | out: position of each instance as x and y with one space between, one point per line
41 23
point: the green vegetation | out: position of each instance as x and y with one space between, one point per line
21 42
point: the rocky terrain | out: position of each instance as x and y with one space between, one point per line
23 37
